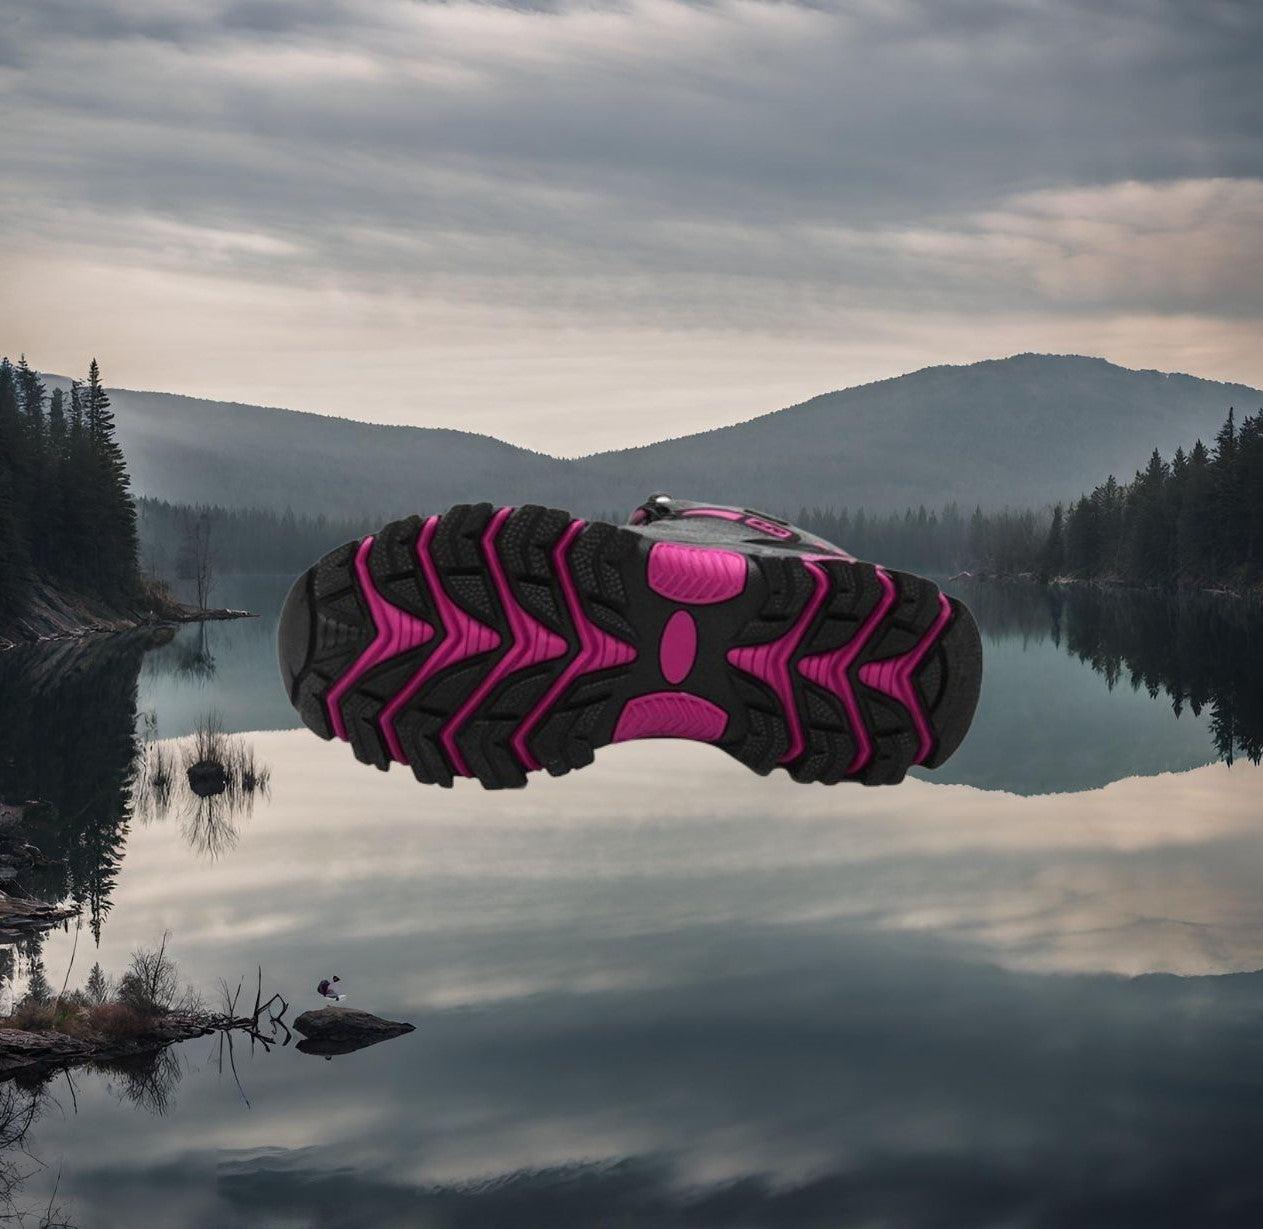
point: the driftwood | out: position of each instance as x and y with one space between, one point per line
23 1051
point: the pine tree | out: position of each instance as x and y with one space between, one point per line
109 497
37 985
31 395
1054 558
1195 526
1149 546
1083 537
14 555
97 987
75 475
1250 462
1229 501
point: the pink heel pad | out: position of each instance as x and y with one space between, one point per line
697 575
670 714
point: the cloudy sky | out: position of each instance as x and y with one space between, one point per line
582 224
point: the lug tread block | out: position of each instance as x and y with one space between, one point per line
525 544
597 559
762 737
483 741
787 586
418 733
830 744
333 573
457 553
854 593
957 658
311 709
907 622
393 565
582 720
338 630
359 713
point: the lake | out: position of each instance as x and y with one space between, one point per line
1021 991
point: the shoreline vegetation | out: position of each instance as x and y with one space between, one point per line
1247 593
1194 524
69 557
146 1010
142 1012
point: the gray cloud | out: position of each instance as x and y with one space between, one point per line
743 167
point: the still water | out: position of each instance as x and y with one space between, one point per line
665 992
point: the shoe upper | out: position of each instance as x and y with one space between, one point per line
700 524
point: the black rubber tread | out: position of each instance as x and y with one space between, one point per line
854 593
951 682
326 626
604 559
325 604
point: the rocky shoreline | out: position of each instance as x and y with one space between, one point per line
51 615
326 1031
46 1050
1253 593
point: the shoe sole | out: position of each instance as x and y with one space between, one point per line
492 642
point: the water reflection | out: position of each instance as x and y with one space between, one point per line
70 742
209 782
735 1004
73 749
1199 650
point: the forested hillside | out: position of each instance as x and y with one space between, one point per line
67 519
1196 521
1193 523
1015 432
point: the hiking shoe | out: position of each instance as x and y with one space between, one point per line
491 642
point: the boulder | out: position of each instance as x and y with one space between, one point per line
347 1025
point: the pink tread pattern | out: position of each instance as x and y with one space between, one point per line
598 650
893 677
695 575
463 636
670 714
769 662
829 670
532 643
397 631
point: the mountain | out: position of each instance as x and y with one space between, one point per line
189 450
1023 430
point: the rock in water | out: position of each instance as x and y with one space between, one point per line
207 778
348 1024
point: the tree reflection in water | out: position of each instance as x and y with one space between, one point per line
1203 651
208 781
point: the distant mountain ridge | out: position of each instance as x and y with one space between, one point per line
1018 431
